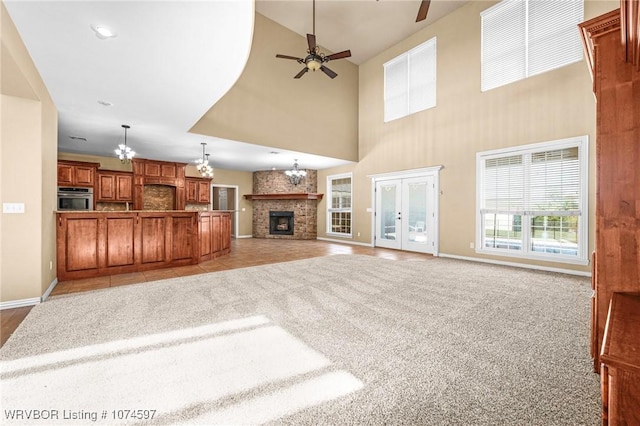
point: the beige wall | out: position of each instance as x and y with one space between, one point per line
29 129
554 105
244 181
267 106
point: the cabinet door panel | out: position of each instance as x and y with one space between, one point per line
203 192
182 235
216 227
84 175
65 174
120 241
106 189
205 236
153 239
168 170
124 185
152 169
226 231
81 244
191 190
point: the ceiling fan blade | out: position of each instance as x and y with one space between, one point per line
340 55
328 72
311 40
422 12
289 57
301 73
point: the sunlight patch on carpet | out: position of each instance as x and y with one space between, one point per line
171 372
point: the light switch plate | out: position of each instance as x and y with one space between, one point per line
12 207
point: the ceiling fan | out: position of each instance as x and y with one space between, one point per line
316 59
422 12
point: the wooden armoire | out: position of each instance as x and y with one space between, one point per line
612 44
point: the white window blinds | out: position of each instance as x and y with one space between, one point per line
410 82
522 38
554 185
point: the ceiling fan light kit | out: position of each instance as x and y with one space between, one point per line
315 59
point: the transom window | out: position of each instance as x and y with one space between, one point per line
522 38
410 81
339 204
532 201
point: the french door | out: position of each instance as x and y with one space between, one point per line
405 215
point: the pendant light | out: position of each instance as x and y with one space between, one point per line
124 153
203 164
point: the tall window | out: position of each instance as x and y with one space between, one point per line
532 201
339 204
410 81
522 38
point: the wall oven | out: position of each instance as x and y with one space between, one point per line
75 198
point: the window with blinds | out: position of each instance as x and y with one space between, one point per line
522 38
410 81
532 201
339 205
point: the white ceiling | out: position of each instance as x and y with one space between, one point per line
172 60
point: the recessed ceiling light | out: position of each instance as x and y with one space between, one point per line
103 32
104 103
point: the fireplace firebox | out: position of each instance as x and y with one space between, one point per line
280 223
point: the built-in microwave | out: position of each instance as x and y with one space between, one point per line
75 198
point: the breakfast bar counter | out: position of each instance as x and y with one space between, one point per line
96 243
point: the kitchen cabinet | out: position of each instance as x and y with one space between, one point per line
76 173
152 172
93 243
114 186
214 230
198 190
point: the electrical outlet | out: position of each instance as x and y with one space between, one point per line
472 245
51 265
358 234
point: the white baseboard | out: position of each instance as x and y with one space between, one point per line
12 304
46 294
244 236
518 265
334 240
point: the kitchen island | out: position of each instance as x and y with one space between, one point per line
97 243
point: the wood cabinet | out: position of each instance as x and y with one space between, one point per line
620 373
151 172
616 84
114 186
214 230
94 243
76 173
198 190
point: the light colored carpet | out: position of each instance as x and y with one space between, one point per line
334 340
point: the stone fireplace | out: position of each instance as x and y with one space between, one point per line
295 206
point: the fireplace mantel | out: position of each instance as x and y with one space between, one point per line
285 196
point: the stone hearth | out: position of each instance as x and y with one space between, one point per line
304 208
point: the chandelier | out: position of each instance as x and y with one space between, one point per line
124 153
295 175
202 164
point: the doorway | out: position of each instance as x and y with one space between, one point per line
224 197
406 211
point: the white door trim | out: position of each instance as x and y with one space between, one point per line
236 207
